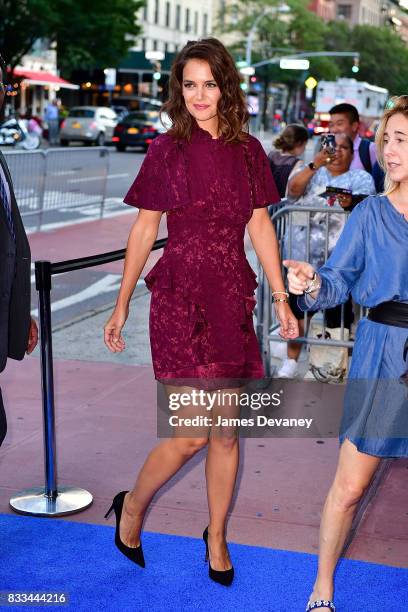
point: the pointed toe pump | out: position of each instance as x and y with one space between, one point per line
134 554
222 577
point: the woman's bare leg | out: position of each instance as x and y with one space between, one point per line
221 471
354 473
161 464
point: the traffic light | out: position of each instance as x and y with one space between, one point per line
157 70
356 66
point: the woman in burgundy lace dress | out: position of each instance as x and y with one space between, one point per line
213 181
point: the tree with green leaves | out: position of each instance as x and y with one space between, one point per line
383 54
279 33
87 33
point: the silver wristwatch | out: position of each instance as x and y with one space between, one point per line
314 284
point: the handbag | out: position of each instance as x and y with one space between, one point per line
327 363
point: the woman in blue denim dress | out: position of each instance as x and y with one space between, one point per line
370 262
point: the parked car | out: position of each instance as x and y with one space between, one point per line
121 111
139 103
88 124
137 129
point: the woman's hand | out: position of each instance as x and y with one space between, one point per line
289 326
32 337
323 158
300 273
112 330
345 200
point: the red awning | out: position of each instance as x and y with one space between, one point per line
37 77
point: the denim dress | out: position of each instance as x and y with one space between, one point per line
370 261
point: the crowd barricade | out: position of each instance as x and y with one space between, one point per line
55 179
286 219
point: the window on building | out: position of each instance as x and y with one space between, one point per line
155 45
178 15
167 14
156 11
187 24
205 24
196 22
166 47
145 12
344 11
143 44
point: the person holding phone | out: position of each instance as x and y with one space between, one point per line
327 180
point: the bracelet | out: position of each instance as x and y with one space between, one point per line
283 292
285 300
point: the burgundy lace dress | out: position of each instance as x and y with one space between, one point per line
201 328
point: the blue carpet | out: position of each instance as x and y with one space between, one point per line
57 555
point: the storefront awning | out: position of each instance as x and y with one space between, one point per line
37 77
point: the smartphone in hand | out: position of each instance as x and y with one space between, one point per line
328 143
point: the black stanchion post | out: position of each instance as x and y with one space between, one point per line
43 286
49 500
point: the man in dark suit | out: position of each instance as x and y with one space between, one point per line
18 330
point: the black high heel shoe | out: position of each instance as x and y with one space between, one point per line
222 577
134 554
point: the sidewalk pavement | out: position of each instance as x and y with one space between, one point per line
106 425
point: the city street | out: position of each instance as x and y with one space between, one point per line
122 169
298 464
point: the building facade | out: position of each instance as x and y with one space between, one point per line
326 9
357 12
390 13
168 24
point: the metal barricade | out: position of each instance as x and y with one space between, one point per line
286 219
57 179
28 169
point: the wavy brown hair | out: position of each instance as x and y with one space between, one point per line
232 110
395 106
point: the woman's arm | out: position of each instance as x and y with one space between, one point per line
142 236
341 271
298 183
265 243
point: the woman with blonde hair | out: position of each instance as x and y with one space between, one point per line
370 261
213 181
